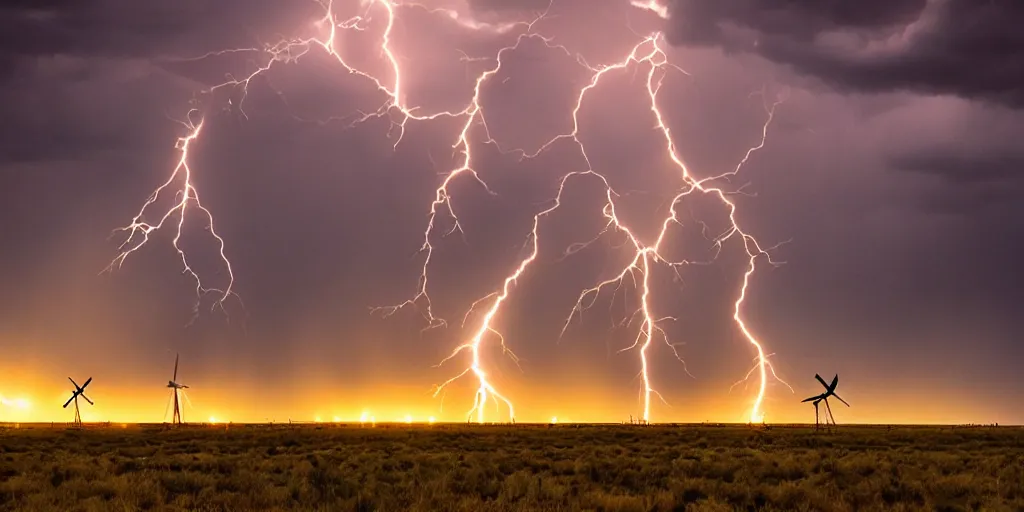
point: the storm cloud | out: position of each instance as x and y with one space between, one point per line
967 48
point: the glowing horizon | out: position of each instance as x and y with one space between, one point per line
148 407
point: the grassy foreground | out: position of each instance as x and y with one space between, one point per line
476 468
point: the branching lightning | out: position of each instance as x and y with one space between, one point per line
186 197
647 54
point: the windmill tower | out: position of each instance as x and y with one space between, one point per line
79 391
175 388
830 390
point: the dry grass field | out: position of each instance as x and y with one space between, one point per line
451 468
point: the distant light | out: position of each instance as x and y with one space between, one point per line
554 419
318 420
16 403
213 420
431 420
408 418
363 417
337 419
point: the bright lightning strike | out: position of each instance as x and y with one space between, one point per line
186 197
647 54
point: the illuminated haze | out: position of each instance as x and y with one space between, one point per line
892 166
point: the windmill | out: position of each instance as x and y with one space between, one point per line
79 391
830 390
175 387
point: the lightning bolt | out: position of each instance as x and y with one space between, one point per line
648 54
646 255
139 230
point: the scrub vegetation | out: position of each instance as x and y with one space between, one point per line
482 468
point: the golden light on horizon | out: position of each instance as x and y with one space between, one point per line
28 400
431 420
23 404
408 418
318 420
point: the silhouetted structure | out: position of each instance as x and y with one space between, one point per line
79 391
830 390
173 384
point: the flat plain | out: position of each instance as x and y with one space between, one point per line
504 468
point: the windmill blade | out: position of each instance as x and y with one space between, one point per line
835 382
175 378
187 401
841 400
821 380
829 409
69 400
86 383
815 397
167 408
75 383
87 399
182 386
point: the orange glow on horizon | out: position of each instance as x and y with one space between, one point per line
925 418
587 403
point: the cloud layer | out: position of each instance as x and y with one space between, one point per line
968 48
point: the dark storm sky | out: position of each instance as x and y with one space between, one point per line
894 166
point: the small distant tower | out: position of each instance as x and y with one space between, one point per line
176 418
79 391
830 390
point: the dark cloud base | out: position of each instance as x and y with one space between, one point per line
967 48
